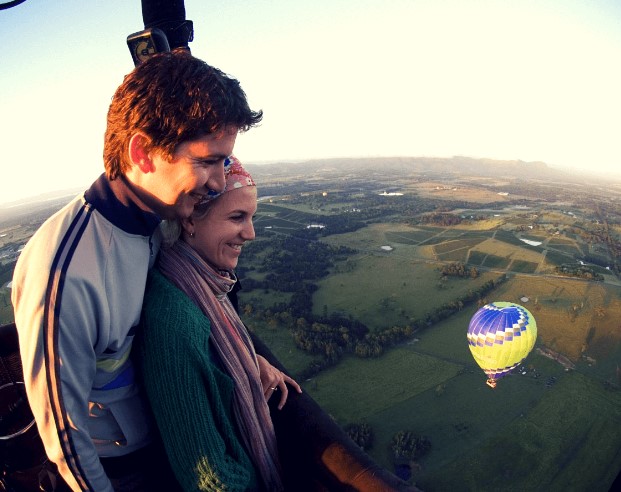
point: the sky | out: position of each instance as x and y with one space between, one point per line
535 80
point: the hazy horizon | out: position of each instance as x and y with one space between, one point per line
69 192
530 81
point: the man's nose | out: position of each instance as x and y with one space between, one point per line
216 180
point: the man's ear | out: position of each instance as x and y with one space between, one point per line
139 153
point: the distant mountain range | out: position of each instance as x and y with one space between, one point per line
13 211
465 166
50 196
434 165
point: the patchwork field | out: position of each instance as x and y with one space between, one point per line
383 289
521 436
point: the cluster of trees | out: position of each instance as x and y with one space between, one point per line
458 269
330 337
579 271
600 233
441 219
407 446
361 434
375 344
292 265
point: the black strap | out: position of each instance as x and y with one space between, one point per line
8 5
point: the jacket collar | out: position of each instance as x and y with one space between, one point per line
119 204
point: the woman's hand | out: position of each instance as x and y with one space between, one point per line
272 380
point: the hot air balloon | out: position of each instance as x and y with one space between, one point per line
500 336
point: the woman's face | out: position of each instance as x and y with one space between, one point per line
220 233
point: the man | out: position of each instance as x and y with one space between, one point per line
79 283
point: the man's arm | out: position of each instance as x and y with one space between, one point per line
56 326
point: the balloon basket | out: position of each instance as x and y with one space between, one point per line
491 383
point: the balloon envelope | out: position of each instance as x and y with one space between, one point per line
500 336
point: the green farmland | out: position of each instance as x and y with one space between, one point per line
543 428
523 435
511 438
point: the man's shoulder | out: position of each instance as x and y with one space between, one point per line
66 213
47 237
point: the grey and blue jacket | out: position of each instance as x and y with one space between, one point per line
77 293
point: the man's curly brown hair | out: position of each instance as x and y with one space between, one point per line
172 97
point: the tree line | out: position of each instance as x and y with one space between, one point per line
579 271
331 337
458 269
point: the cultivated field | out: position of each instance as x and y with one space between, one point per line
515 437
551 428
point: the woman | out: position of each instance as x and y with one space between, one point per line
206 385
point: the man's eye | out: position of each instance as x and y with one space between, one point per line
209 162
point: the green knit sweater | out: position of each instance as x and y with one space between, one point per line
191 397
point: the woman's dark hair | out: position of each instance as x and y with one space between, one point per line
172 97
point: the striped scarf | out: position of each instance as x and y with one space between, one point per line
208 289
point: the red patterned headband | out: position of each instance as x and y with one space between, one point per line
235 177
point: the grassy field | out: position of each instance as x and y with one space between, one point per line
548 429
527 434
487 260
556 257
522 436
573 317
508 250
385 290
552 446
498 250
6 308
521 266
280 342
278 217
457 250
416 374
